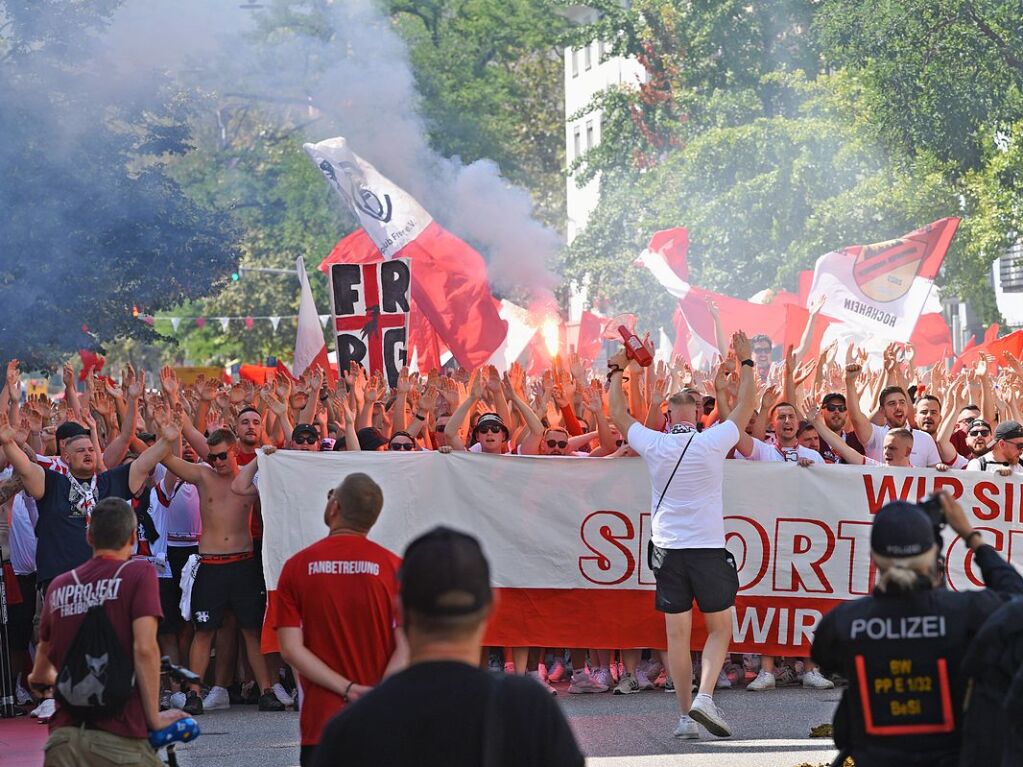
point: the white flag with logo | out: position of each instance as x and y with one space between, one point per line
387 212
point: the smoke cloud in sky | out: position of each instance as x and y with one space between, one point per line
341 67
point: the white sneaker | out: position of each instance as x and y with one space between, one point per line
216 698
643 680
22 696
540 680
627 684
282 695
723 682
45 710
815 680
764 681
706 713
583 683
177 699
602 676
686 729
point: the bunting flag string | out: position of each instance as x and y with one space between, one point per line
248 321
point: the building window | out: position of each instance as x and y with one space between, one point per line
575 62
587 57
577 143
601 52
589 135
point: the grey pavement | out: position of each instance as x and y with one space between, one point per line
771 730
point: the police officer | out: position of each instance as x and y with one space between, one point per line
902 647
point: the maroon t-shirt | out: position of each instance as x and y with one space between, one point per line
132 593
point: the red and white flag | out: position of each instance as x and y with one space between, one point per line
880 290
310 348
449 278
665 257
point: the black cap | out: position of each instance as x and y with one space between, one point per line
69 429
901 529
444 573
370 438
305 428
832 396
1008 430
978 422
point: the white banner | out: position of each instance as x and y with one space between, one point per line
557 527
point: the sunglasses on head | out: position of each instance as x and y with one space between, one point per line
490 428
400 446
562 443
218 456
979 432
835 408
306 440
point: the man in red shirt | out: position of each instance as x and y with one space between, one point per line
128 591
335 610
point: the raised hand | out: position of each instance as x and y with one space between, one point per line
404 382
741 346
137 385
169 382
68 375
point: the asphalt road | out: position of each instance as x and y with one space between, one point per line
771 730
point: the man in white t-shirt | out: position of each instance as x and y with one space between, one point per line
687 553
895 450
786 447
895 409
1003 459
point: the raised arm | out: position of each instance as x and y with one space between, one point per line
617 408
860 423
846 453
452 429
143 466
33 477
70 392
746 401
117 448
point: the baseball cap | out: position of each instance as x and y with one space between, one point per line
305 428
444 573
901 529
67 430
978 422
370 438
1008 430
832 397
490 418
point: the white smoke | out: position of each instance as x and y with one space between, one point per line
352 78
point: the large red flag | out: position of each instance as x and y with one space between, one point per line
449 278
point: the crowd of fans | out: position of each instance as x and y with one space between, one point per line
184 456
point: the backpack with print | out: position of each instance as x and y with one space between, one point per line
97 677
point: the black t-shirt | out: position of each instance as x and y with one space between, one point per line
62 521
434 715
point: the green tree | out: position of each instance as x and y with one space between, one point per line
94 226
491 79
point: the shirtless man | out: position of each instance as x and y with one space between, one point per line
228 574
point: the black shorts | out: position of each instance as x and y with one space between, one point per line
234 586
707 575
21 616
170 589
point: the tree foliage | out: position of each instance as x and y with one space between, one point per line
93 225
778 131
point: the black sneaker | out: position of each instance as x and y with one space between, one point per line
234 695
268 702
250 693
193 704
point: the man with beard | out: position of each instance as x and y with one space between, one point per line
927 415
978 439
895 409
896 450
227 575
836 416
1003 459
786 447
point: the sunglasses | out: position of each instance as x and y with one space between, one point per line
835 408
306 440
491 428
400 446
562 443
218 456
980 433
